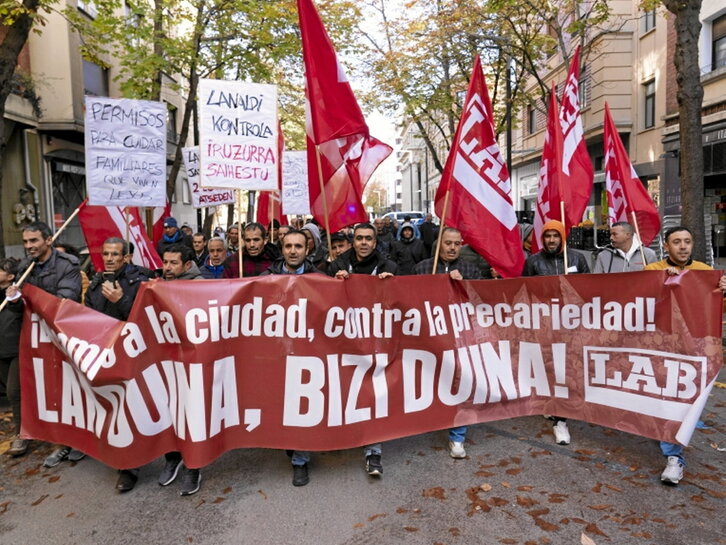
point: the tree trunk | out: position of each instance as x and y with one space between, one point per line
690 100
12 44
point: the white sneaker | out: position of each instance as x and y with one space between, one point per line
673 472
562 434
456 449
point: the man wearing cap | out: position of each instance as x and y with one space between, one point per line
172 236
549 261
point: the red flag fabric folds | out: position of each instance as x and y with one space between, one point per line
576 163
480 192
626 193
100 222
348 155
552 188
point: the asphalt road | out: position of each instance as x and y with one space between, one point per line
515 487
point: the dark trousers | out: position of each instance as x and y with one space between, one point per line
9 367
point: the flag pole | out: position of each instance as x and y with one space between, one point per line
240 231
564 241
52 240
441 230
128 226
271 215
640 240
325 204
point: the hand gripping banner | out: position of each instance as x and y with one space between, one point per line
315 363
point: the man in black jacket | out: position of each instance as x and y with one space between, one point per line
172 236
57 273
407 250
112 292
363 258
11 320
550 261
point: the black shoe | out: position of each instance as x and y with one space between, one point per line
170 471
126 480
300 475
191 482
373 465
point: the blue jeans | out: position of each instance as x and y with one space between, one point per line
458 435
300 457
672 449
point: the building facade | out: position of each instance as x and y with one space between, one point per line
44 163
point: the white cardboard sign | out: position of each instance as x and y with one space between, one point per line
295 199
238 135
125 143
202 196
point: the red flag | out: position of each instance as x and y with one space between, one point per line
100 222
269 204
160 214
335 125
480 192
552 188
576 163
626 193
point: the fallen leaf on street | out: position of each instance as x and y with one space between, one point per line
435 492
39 500
585 540
486 487
376 516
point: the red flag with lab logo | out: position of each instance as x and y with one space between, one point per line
626 193
339 146
480 192
552 188
576 163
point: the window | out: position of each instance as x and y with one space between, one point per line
584 90
170 123
649 104
718 31
88 7
95 79
648 20
531 119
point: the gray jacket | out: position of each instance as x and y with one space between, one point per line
612 260
60 275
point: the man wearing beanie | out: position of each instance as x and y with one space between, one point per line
549 261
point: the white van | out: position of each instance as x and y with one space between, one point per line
416 217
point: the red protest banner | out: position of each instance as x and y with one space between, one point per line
205 367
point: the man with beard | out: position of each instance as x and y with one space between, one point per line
258 254
549 261
678 244
363 258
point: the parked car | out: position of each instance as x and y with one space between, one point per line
416 217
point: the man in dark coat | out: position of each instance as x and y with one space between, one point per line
172 235
363 258
57 273
112 292
258 253
407 250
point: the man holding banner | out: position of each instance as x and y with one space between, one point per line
678 244
112 292
57 273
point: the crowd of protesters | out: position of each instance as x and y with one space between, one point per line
382 249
